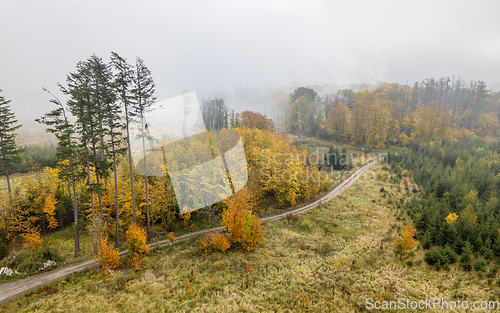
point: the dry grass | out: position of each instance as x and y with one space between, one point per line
330 260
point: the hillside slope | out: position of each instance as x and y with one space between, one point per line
330 259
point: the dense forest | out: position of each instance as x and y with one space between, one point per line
459 207
394 114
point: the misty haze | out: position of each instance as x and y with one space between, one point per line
249 156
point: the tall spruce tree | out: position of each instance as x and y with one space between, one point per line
123 83
80 106
58 124
102 99
9 153
114 131
143 92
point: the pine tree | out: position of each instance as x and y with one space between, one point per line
102 99
9 153
59 125
80 106
143 92
123 81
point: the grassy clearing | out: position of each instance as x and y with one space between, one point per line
17 180
330 259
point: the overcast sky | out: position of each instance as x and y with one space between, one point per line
219 48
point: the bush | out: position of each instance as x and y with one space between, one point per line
436 256
49 254
4 250
450 254
29 266
242 226
465 261
107 255
405 243
136 238
307 224
480 265
493 271
253 232
217 241
171 237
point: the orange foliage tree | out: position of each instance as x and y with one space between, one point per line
49 208
136 238
243 226
32 238
404 244
108 257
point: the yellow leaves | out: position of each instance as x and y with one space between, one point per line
233 216
242 225
217 242
171 237
469 215
49 209
451 218
32 238
186 217
220 242
404 244
403 140
277 168
253 232
136 238
337 122
471 198
107 255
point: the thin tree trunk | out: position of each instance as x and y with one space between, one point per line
116 188
130 165
8 183
75 206
96 172
145 177
91 203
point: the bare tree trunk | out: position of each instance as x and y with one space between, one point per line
75 207
145 177
91 201
116 188
8 183
130 165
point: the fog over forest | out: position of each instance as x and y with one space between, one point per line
246 52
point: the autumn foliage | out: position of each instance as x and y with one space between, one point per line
404 244
49 209
136 238
242 227
217 241
32 238
108 256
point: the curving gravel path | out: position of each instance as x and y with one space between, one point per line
15 289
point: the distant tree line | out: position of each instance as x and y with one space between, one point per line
217 116
395 114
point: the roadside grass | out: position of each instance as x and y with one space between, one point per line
57 246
